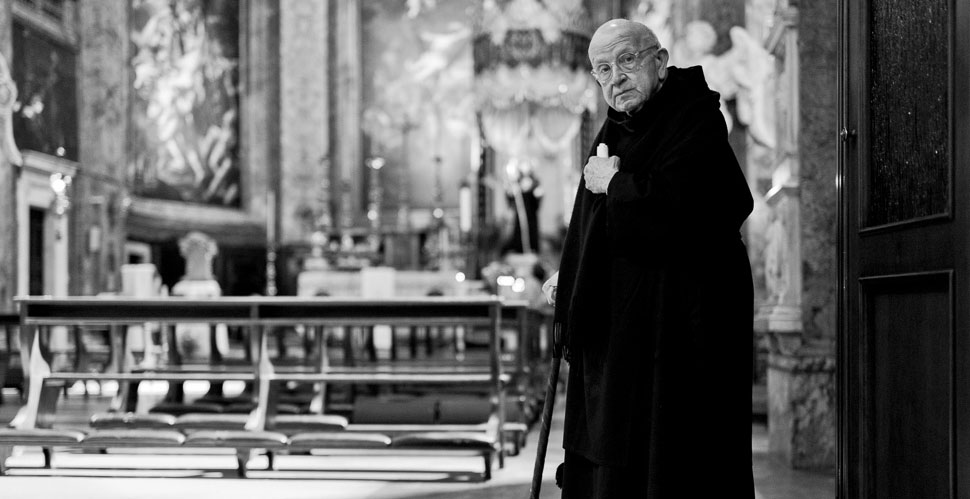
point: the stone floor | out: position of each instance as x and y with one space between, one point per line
343 476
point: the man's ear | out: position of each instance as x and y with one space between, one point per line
662 57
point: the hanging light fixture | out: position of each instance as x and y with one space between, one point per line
531 74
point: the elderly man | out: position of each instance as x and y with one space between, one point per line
654 292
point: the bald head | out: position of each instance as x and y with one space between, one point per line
616 30
629 63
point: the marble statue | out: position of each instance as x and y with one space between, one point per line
198 249
744 72
655 14
8 96
776 256
695 49
752 69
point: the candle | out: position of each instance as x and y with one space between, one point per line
270 217
465 208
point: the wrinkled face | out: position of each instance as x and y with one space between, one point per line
627 91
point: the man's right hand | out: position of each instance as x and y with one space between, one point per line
549 288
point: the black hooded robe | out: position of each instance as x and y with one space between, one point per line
655 302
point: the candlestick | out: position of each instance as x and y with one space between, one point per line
270 217
465 207
271 243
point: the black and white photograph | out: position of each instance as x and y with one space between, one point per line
485 249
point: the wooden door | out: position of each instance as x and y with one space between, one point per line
904 266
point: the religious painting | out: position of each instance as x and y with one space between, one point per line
45 114
185 101
418 108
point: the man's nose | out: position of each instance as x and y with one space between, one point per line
618 78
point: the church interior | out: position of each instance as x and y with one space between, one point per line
229 226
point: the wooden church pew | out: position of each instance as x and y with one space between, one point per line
27 430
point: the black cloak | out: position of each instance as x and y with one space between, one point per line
655 302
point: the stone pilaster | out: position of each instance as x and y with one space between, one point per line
98 207
8 186
304 115
802 408
260 126
818 118
347 80
798 316
6 28
782 310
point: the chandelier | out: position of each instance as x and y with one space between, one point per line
531 74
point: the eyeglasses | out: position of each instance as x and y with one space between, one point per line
627 62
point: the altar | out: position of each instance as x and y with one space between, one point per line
381 282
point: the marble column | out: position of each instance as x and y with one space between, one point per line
818 116
804 417
798 316
8 183
802 408
781 312
348 88
6 33
98 207
260 126
304 114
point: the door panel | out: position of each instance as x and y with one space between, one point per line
36 260
908 334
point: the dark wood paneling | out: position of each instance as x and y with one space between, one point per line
960 114
908 326
904 355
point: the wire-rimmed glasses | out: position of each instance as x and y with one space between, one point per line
626 62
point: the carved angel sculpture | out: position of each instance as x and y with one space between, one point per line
8 95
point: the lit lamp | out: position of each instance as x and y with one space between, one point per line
438 213
375 195
465 223
59 184
320 237
465 207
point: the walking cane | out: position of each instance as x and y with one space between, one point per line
547 407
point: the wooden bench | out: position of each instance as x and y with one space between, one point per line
262 428
10 372
523 364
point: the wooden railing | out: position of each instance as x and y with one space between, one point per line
256 316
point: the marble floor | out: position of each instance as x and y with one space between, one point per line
341 476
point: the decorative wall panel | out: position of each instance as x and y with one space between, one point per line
185 101
909 334
45 114
304 116
418 75
909 174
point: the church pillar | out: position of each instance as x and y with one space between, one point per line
260 107
797 317
304 115
6 23
348 139
8 180
98 207
780 314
